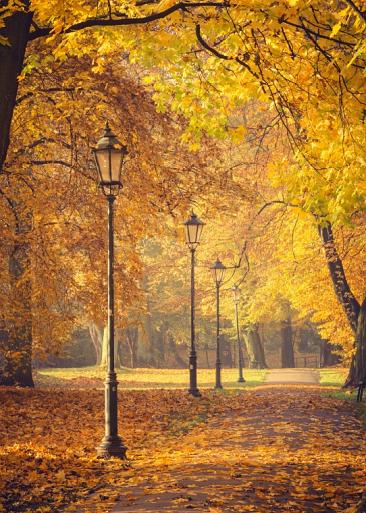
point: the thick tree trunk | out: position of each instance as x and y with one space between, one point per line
357 371
16 31
287 348
342 290
18 356
354 312
18 333
254 348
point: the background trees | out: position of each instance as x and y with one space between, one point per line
253 113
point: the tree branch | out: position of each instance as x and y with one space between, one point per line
106 22
220 55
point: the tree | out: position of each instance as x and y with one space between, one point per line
61 231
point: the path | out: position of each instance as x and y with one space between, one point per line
292 376
275 450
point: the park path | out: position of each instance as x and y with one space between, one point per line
292 376
276 450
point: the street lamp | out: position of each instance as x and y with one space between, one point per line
218 271
109 157
236 297
193 229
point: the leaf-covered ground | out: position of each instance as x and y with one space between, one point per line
272 449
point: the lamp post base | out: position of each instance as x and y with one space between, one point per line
194 392
241 380
112 447
193 389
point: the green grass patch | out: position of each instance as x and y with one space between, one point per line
332 376
145 378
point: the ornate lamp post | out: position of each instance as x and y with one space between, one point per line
236 297
193 229
218 271
109 157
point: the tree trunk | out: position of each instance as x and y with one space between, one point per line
327 357
16 31
104 352
174 351
287 348
357 371
207 358
18 354
132 342
18 333
354 312
96 335
342 290
254 348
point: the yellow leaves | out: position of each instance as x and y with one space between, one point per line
237 134
225 459
336 28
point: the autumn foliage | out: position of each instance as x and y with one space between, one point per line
285 449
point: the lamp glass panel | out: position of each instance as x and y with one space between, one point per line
192 233
102 157
199 231
220 275
116 165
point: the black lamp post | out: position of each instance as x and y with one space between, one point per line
236 297
193 229
109 157
218 271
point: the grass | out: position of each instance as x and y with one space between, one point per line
333 376
145 378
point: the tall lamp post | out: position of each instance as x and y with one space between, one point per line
193 229
109 158
236 297
218 271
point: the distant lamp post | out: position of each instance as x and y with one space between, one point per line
218 271
236 297
193 229
109 158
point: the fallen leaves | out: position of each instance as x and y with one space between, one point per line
269 450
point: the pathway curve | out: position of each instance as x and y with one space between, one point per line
271 450
292 376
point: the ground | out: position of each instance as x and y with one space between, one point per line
145 378
266 449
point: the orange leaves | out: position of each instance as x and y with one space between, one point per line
269 450
48 441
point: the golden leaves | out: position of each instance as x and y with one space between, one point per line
289 449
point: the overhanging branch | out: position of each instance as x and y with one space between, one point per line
116 22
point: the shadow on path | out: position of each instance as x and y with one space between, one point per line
286 449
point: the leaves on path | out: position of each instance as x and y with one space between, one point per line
269 450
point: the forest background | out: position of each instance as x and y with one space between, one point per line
252 114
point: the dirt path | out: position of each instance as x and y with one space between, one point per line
281 449
294 376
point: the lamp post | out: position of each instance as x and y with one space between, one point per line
109 157
236 297
218 271
193 229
